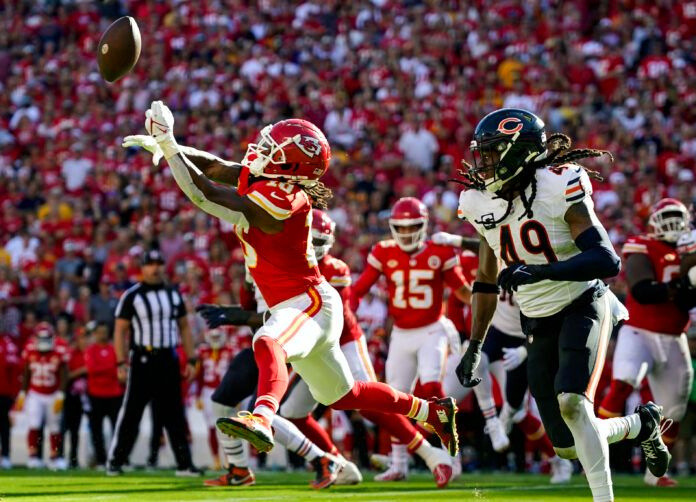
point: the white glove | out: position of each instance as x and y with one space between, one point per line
512 358
445 239
146 142
159 123
692 277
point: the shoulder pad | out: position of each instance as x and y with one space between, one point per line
280 200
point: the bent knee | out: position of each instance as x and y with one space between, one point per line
568 453
570 405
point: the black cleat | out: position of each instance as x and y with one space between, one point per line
657 456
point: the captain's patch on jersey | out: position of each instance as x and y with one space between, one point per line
574 190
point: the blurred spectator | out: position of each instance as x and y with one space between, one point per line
10 369
75 395
104 390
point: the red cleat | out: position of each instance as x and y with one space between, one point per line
326 471
235 476
441 417
252 428
442 474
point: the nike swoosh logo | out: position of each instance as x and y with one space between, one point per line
519 270
276 196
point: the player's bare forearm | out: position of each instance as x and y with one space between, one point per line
463 294
255 320
120 331
186 338
26 376
485 295
215 168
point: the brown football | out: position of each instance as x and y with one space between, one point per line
118 49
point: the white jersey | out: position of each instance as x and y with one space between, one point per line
507 316
539 240
687 243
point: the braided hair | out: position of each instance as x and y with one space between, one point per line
319 194
558 153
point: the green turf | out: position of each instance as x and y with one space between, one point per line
23 485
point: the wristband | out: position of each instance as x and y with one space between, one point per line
485 287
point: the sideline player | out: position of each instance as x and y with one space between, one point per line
652 342
214 356
532 207
276 185
45 377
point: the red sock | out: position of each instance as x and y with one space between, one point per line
614 403
396 425
533 430
273 372
213 442
33 442
55 443
315 433
670 435
432 389
377 396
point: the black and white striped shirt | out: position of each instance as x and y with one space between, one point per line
153 312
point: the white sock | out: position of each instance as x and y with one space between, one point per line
429 454
399 455
287 434
620 428
419 409
265 412
592 449
236 450
484 390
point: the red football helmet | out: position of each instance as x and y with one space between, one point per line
216 338
668 219
322 233
294 149
45 337
409 212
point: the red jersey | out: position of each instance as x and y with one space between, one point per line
337 273
102 374
45 367
415 281
658 317
214 363
9 367
283 265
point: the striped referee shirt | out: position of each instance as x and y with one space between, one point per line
153 312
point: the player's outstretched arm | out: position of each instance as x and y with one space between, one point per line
457 241
229 315
484 301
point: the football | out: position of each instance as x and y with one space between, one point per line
118 49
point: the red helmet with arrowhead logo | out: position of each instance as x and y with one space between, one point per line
408 223
322 233
668 219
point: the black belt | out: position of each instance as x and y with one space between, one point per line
152 351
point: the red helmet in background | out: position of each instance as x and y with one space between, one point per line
294 149
45 337
409 212
668 220
323 228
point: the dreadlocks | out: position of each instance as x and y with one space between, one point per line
319 194
558 153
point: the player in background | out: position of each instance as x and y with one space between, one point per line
43 392
214 356
532 207
416 270
236 391
277 183
299 402
652 342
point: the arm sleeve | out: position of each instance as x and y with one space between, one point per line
596 261
182 177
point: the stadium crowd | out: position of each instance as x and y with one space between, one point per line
397 86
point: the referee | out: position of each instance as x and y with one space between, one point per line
155 316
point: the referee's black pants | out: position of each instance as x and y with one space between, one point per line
153 376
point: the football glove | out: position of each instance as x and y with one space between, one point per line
513 357
58 403
223 315
159 123
469 363
19 402
146 142
519 274
445 239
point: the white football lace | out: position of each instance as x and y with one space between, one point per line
647 444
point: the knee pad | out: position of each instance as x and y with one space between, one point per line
568 453
570 405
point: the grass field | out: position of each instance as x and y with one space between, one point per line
23 485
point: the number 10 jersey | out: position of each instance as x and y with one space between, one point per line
543 238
